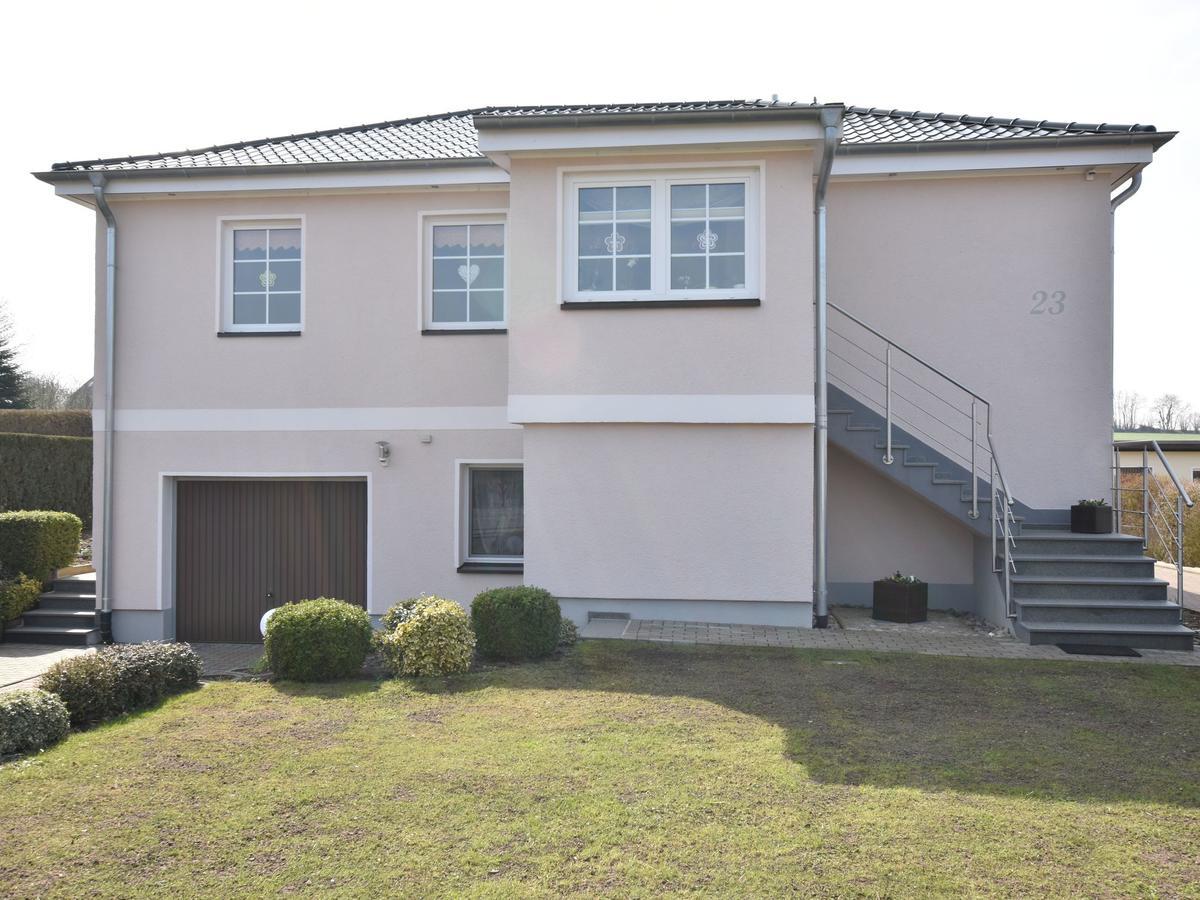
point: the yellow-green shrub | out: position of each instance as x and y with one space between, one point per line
18 595
436 640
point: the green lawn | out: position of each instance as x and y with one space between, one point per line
634 769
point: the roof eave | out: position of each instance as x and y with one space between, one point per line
1155 139
57 176
484 122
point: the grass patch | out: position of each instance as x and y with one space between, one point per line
634 769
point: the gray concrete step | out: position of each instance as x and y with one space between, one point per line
1095 566
1148 637
63 637
1111 612
1077 587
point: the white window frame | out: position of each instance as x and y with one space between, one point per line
660 181
1195 474
226 226
462 507
426 222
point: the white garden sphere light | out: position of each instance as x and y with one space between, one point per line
262 623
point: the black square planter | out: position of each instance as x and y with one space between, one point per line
1091 519
895 601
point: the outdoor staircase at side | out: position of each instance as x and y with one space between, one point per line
65 615
1094 590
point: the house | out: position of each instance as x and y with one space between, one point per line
1181 449
716 361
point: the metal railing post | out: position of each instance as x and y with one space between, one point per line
1179 548
1116 490
974 467
995 506
887 355
1145 499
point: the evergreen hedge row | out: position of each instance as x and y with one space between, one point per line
40 471
61 422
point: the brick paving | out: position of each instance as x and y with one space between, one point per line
228 660
22 665
936 638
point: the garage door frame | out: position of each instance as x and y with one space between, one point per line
167 508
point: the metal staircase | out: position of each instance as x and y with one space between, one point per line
926 431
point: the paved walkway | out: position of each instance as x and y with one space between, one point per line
1191 583
21 665
943 635
228 660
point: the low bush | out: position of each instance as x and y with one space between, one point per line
61 422
318 640
46 472
516 622
37 542
436 639
568 634
18 595
87 684
401 612
121 678
31 721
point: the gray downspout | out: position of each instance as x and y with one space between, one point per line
830 119
1135 185
104 611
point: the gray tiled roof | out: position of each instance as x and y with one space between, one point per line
453 136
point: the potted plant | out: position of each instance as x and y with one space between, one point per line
900 598
1092 517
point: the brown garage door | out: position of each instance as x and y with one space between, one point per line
243 547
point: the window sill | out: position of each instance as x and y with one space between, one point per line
656 304
440 331
492 568
251 334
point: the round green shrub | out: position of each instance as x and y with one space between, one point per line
516 622
317 640
31 721
435 640
87 684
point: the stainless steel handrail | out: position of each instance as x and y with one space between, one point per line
1153 511
1003 521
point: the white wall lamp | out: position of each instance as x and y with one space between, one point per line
385 452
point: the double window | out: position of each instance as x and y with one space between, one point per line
676 236
464 276
492 515
262 276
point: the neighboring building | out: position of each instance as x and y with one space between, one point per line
576 347
1181 448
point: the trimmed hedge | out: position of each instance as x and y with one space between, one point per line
31 721
436 639
17 596
317 640
45 472
61 422
121 678
516 622
37 542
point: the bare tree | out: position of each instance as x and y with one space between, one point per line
1127 410
44 392
1167 410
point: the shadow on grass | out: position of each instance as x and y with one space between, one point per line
1070 731
327 690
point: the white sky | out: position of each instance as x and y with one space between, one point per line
82 81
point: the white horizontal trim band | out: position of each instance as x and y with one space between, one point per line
463 418
765 409
974 160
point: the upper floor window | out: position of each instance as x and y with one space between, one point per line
464 273
665 236
262 276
